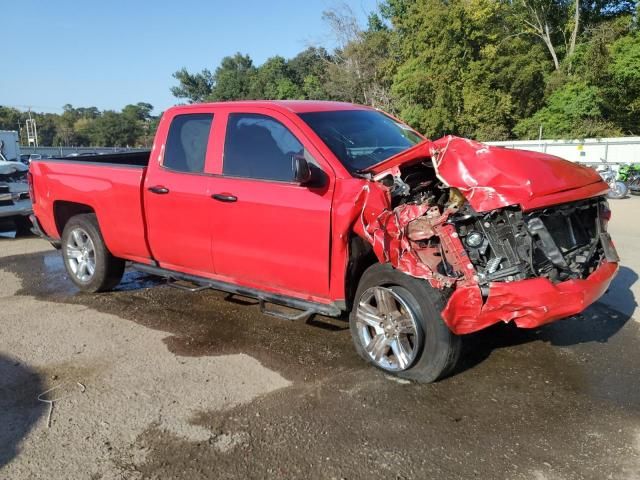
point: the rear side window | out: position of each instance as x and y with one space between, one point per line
186 147
258 146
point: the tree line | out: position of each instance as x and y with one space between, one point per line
484 69
133 126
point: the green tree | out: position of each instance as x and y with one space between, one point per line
312 61
114 129
10 118
195 87
623 91
573 111
275 80
233 78
358 71
487 69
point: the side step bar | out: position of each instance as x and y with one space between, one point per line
308 308
292 317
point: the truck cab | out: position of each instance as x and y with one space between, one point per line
223 187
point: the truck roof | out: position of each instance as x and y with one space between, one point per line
295 106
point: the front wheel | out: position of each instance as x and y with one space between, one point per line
396 326
617 190
89 263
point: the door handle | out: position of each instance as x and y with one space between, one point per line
224 197
159 189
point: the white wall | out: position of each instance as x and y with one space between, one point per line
590 150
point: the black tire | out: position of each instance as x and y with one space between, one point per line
23 226
108 269
438 349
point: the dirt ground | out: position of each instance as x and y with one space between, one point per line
152 382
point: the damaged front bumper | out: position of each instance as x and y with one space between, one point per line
528 303
508 236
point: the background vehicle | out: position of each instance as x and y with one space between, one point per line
617 188
331 207
15 204
27 157
9 145
630 175
83 154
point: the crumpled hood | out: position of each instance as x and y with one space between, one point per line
494 177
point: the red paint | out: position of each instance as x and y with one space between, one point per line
177 237
529 303
113 193
294 240
494 177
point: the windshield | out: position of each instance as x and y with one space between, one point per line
361 138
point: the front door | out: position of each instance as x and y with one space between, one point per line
267 230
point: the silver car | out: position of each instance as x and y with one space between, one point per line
15 201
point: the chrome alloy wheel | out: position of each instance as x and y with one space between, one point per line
387 328
81 255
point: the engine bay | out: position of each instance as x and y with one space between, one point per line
560 242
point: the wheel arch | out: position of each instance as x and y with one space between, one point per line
361 257
64 210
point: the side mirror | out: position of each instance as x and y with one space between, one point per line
301 169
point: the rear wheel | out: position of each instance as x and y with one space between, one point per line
396 326
89 263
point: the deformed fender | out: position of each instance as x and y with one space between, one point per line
488 178
394 234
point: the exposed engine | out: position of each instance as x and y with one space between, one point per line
559 243
562 242
417 184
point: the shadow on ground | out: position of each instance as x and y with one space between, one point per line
596 324
620 296
19 405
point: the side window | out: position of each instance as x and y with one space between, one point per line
186 146
258 146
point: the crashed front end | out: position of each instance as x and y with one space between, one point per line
507 235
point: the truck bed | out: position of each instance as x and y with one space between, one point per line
137 159
108 185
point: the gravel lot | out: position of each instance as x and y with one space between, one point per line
156 383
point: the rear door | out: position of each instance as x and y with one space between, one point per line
177 197
267 230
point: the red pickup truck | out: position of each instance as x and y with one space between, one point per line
331 207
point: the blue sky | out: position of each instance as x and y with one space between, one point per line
111 53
